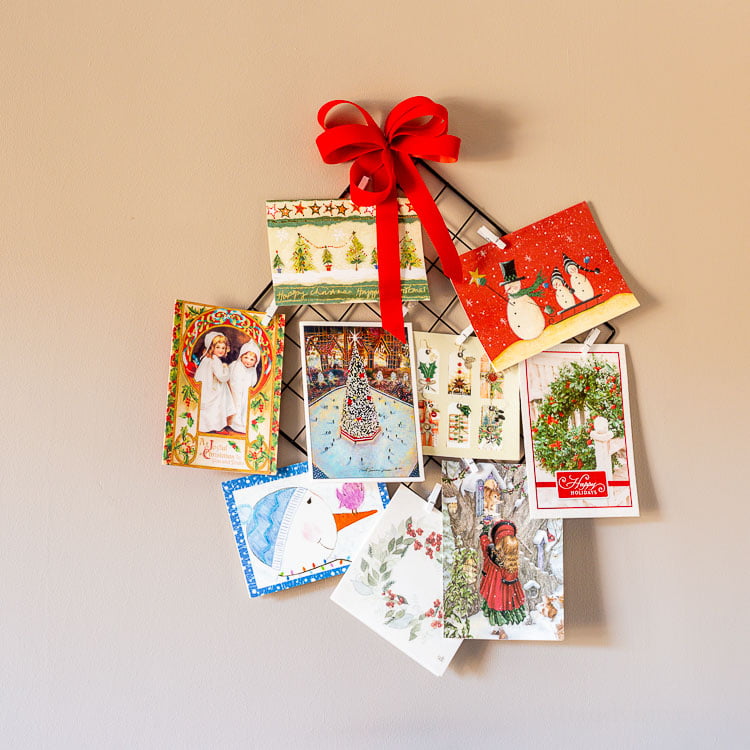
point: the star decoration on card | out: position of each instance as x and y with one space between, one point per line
369 210
328 207
285 210
477 278
341 208
409 206
299 209
315 208
354 337
272 211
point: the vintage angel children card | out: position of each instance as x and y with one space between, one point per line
394 585
576 423
224 389
288 534
360 403
325 252
466 407
502 569
553 280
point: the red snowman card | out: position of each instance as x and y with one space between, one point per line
553 280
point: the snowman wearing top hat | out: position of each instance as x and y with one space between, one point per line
524 316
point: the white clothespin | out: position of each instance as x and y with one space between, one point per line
589 341
363 182
405 309
461 338
433 496
270 312
471 467
490 236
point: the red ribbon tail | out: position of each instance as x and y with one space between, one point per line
389 268
412 184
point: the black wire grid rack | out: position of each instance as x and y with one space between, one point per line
442 313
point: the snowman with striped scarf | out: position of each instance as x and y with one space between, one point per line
579 284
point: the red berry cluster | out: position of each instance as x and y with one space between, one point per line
393 599
432 612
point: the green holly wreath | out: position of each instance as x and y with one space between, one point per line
584 390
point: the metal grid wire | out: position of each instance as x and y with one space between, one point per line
442 313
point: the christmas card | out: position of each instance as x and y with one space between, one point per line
224 389
288 534
503 569
325 252
394 585
466 408
360 404
576 424
554 280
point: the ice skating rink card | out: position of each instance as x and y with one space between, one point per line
288 534
224 389
503 569
466 408
554 280
576 423
394 585
325 252
360 403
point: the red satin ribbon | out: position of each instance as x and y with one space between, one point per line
385 156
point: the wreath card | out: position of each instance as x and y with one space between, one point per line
288 534
554 280
325 252
466 408
360 405
503 569
394 585
576 423
224 389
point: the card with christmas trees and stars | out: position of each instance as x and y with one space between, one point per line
467 409
576 426
360 403
325 252
553 280
288 534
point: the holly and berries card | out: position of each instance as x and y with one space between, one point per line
576 425
325 251
224 389
554 280
467 409
360 403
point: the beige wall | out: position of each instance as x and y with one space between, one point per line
138 141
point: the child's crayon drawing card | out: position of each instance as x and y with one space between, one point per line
325 252
288 534
467 409
503 569
360 403
576 423
224 389
394 585
554 280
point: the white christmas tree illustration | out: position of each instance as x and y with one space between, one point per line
359 420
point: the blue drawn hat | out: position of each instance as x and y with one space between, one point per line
268 527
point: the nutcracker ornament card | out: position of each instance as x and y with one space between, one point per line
502 569
325 252
224 389
467 409
288 534
360 403
553 280
394 585
576 424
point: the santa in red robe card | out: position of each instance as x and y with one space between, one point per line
553 280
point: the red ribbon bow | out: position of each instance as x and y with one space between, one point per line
385 157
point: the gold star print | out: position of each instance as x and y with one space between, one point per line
328 208
285 211
477 278
341 208
315 208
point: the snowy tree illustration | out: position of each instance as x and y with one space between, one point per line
355 254
278 264
409 257
327 258
374 257
359 420
301 257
